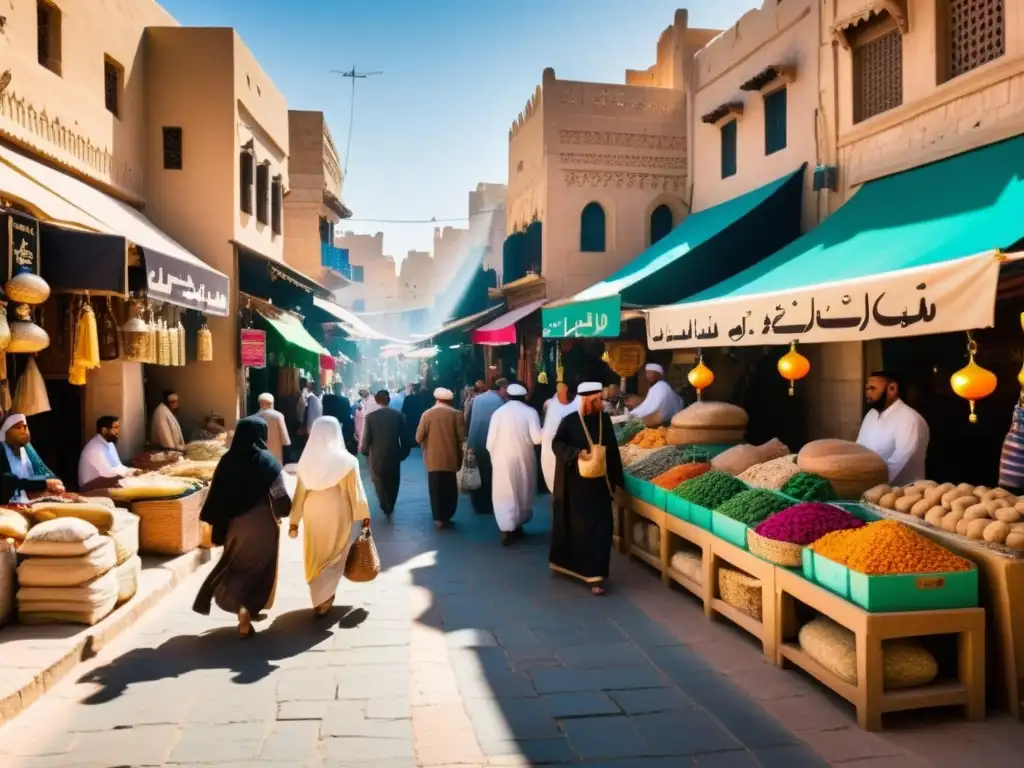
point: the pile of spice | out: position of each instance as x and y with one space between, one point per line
752 506
626 432
886 548
674 477
807 486
771 474
658 463
655 437
806 523
710 490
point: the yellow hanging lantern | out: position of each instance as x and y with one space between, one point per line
700 376
972 382
793 366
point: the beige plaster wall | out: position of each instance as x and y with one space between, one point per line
116 389
937 119
63 116
380 276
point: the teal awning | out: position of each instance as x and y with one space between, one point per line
912 253
707 247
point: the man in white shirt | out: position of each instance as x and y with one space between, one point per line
277 431
661 400
100 465
894 430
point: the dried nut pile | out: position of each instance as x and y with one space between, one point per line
991 515
886 548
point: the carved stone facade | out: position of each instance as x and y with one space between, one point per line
624 180
618 139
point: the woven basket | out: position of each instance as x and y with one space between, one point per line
778 552
170 526
741 591
362 563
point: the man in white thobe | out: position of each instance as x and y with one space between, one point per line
661 401
513 433
164 428
277 431
894 430
100 466
556 409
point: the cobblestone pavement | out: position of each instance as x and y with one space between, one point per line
461 654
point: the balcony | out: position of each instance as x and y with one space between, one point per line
335 259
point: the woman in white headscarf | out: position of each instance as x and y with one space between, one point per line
329 498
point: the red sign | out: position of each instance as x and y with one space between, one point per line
254 348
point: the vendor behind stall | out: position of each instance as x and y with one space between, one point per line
893 429
661 401
164 429
99 465
21 470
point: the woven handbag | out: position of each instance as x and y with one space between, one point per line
363 562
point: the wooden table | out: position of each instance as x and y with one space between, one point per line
765 630
871 630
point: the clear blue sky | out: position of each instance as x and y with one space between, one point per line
456 73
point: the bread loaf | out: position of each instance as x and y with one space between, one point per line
851 468
704 436
705 414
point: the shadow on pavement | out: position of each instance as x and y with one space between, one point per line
290 634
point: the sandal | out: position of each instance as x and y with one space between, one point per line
324 608
245 627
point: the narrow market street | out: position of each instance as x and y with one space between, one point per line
460 654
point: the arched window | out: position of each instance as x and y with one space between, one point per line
661 222
592 230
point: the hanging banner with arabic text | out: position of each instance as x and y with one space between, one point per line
939 298
591 318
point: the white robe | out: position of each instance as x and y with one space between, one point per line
661 400
513 432
555 413
165 431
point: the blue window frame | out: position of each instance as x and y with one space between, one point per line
357 274
661 223
775 121
728 132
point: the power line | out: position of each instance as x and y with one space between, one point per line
353 75
421 221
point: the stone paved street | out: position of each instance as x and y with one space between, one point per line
460 654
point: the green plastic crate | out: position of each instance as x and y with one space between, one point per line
700 516
831 575
807 564
729 530
650 493
915 592
859 511
633 485
677 507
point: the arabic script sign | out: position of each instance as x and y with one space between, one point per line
598 318
185 284
938 298
254 348
22 243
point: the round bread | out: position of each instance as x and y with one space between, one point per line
935 516
976 528
851 468
704 436
705 414
950 520
996 532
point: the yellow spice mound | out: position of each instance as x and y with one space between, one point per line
888 547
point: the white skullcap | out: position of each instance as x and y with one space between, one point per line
443 394
10 421
266 397
516 390
589 388
654 368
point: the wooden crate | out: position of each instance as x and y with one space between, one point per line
871 629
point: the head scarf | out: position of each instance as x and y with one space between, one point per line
244 475
325 460
10 421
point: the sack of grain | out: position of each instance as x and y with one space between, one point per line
851 468
688 562
905 663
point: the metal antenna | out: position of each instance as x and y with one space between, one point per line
353 75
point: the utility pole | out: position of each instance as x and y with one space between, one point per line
353 75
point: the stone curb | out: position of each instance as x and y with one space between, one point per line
93 639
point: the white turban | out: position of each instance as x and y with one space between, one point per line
12 420
655 368
516 390
266 397
589 388
443 394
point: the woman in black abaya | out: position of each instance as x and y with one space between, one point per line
244 506
582 528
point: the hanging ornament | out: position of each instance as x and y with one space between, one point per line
27 288
26 336
110 349
793 366
135 336
972 382
86 354
30 396
5 330
204 345
700 376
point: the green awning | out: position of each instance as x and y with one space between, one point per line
707 247
290 344
913 253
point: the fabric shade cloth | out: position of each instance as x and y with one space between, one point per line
290 344
502 330
174 275
910 254
457 330
353 325
706 248
327 363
